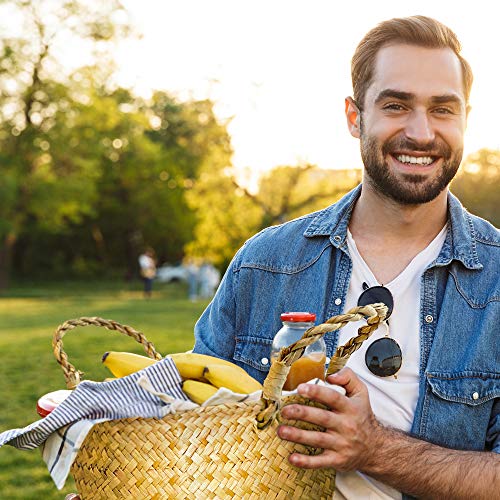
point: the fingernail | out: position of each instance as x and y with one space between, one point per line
283 432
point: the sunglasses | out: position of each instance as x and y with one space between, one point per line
383 356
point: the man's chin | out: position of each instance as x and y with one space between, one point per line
413 190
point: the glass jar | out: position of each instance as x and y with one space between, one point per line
312 363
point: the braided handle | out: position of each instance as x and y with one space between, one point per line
71 374
275 380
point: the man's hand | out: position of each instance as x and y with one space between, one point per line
352 430
355 440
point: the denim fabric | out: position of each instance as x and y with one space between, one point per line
304 265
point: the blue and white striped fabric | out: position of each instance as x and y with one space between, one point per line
152 392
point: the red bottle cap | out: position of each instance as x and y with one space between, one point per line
50 401
298 316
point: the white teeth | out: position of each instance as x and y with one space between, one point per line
420 160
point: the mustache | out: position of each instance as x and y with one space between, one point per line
434 148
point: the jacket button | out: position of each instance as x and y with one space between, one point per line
264 361
337 238
475 395
429 319
338 302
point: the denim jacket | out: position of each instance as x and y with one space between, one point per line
304 265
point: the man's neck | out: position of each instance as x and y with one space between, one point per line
389 235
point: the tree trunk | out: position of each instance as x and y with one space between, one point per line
6 250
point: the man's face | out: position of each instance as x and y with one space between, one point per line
413 123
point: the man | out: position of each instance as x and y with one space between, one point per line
432 427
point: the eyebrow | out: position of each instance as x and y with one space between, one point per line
410 97
394 94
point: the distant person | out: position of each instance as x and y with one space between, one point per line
209 280
193 275
147 264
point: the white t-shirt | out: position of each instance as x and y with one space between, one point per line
393 400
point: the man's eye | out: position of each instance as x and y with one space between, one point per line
445 111
393 106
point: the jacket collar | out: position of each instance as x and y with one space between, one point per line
333 221
460 243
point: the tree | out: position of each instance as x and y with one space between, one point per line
143 173
477 183
287 192
42 176
228 213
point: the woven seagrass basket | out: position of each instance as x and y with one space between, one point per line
223 451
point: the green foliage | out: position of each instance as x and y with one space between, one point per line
92 173
477 184
50 183
28 369
229 214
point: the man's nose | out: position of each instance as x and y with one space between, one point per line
419 128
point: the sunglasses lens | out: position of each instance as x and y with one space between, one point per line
383 357
377 294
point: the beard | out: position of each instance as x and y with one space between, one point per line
407 189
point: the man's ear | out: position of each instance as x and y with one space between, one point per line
353 115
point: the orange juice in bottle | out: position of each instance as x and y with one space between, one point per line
304 369
312 363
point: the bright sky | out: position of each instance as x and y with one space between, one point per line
281 68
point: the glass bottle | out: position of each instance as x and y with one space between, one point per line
312 363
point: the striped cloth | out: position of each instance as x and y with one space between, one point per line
152 392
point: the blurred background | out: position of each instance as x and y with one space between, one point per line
183 128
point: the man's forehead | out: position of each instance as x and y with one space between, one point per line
421 71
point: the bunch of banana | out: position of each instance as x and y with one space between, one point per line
202 375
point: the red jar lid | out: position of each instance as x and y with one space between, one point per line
50 401
298 316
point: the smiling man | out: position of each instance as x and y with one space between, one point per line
421 413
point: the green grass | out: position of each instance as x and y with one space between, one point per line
29 314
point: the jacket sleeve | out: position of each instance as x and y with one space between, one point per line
215 331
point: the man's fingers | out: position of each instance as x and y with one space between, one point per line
326 395
318 416
322 461
316 439
348 380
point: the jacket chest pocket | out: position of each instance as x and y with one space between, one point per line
461 409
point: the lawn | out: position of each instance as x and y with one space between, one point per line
29 314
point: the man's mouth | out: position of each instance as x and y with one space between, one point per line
415 160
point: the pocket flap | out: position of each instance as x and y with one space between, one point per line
254 351
471 388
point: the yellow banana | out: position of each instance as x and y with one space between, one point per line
191 365
121 364
232 377
198 391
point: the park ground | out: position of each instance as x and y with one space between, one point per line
29 314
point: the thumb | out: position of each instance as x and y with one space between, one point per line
348 380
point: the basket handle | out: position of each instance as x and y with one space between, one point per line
374 314
71 374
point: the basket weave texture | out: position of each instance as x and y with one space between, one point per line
211 452
224 451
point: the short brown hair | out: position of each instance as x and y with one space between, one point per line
415 30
